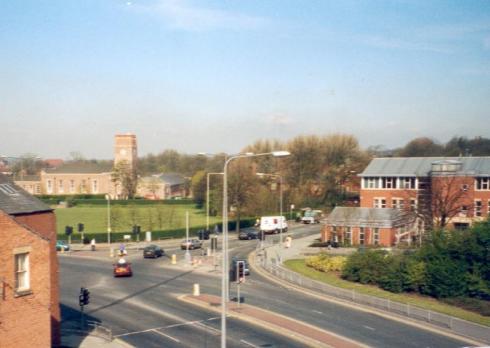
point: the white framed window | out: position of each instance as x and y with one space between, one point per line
49 186
379 202
407 183
389 183
371 183
95 187
463 211
478 206
397 203
376 236
482 184
22 279
361 235
72 186
38 189
61 189
348 235
413 204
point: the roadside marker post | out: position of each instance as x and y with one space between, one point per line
174 259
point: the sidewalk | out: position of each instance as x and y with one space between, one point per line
76 341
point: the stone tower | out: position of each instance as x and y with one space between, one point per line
125 149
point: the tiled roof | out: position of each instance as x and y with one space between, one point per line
14 200
422 166
368 217
82 167
171 179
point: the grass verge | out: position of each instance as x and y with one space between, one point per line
429 303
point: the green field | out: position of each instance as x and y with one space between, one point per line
158 217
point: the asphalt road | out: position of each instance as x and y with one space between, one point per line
143 310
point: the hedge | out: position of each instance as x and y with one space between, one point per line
75 200
101 237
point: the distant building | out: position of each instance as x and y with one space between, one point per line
29 289
163 186
445 191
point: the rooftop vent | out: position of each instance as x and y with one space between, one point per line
446 166
8 190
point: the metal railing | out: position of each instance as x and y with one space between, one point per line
458 326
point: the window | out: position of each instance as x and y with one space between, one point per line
389 183
38 189
95 188
379 203
61 189
397 203
463 211
478 207
483 183
72 186
49 187
22 272
413 204
376 236
348 236
407 183
361 235
465 187
371 183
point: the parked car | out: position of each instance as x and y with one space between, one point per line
191 244
203 234
249 234
152 251
122 269
62 245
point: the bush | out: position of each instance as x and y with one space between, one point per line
326 263
366 266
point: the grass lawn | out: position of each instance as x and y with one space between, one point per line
413 299
158 217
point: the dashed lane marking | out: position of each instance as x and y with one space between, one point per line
317 312
369 328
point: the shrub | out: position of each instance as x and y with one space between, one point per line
365 266
326 263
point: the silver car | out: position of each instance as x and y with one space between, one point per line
191 244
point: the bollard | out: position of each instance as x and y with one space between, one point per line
208 251
174 259
111 254
196 291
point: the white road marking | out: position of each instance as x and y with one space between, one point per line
318 312
216 331
249 344
369 328
165 335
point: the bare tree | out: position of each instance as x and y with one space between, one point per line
124 176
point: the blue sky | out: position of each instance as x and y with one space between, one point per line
217 75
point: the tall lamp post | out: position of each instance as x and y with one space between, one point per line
207 198
108 219
281 226
224 268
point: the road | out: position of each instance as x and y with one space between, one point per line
144 310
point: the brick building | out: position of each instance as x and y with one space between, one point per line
163 186
441 191
29 292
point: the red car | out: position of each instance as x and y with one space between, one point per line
122 269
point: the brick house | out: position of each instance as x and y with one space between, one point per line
439 191
29 292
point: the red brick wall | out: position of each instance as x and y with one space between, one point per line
386 235
368 195
45 224
25 321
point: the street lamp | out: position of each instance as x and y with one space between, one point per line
207 198
108 197
280 201
224 268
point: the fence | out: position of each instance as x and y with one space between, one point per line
457 326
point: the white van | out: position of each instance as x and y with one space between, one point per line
273 224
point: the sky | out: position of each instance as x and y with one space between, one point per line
215 76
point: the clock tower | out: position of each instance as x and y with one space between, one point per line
125 150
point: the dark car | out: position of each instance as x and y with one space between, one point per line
233 267
249 234
122 269
62 245
152 251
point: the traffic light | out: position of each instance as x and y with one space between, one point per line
240 274
80 227
84 298
136 229
68 230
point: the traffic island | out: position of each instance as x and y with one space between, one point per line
297 330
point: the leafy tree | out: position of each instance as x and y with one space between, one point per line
421 147
198 184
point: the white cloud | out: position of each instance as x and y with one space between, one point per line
182 14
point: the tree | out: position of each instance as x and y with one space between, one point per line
28 164
198 184
421 147
124 177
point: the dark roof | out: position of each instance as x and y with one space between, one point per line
171 179
368 217
422 166
82 167
14 200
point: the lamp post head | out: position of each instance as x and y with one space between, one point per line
280 153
